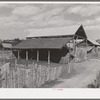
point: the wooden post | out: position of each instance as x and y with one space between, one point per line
37 55
74 45
86 48
26 55
6 78
15 62
18 54
48 56
11 54
69 44
86 43
3 56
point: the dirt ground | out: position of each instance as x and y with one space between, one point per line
84 73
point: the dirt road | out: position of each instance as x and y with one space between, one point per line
85 73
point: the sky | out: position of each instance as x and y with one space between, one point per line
16 20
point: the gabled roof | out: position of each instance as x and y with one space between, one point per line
80 33
42 43
93 42
58 31
84 35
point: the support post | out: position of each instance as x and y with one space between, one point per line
86 48
69 44
18 54
15 62
26 55
12 53
37 55
48 56
74 48
76 45
86 43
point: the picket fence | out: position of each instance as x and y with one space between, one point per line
27 76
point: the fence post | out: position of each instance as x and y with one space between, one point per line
6 76
36 72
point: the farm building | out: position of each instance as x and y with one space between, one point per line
6 45
51 44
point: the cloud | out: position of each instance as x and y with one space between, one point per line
50 18
11 27
51 23
84 10
26 10
24 17
91 22
8 19
93 27
11 23
3 5
47 14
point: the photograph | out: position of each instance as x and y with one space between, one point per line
49 45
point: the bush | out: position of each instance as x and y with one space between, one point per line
96 83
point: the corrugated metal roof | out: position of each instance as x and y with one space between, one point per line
58 31
42 43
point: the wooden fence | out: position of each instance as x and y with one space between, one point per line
27 76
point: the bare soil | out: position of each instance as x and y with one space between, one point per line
84 73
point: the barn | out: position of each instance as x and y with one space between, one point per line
50 44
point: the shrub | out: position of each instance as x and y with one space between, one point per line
96 83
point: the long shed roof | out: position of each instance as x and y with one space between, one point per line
42 43
52 43
58 31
